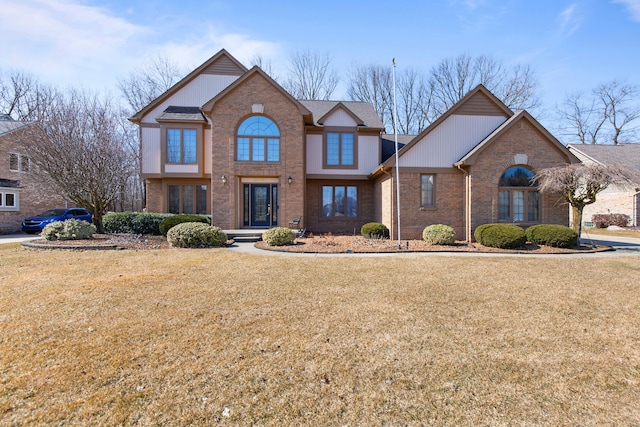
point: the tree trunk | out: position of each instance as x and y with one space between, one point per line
576 212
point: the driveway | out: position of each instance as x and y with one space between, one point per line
622 245
17 238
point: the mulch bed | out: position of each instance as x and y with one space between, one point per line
312 244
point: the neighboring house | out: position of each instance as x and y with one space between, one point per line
615 199
233 143
21 194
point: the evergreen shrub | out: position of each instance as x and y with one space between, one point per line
279 236
555 235
503 236
374 230
196 235
439 234
173 220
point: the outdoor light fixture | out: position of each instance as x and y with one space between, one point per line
224 180
289 180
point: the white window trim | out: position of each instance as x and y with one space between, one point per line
20 160
3 196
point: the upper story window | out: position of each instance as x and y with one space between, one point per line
181 146
340 150
518 197
258 140
19 162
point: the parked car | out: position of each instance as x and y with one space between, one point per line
35 224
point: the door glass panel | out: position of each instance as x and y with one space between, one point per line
260 202
174 199
187 199
201 199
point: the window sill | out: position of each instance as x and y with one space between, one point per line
428 208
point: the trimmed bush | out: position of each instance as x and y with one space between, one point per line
439 234
606 220
555 235
279 236
169 222
134 222
503 236
71 229
374 230
196 235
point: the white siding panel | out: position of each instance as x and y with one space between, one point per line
368 156
195 94
171 168
340 118
150 151
207 151
450 141
314 154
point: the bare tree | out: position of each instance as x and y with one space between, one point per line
24 98
146 83
621 108
580 184
311 76
265 65
610 113
453 78
83 154
374 84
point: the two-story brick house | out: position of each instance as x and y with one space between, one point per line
22 194
231 142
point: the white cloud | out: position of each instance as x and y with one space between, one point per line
67 43
570 20
633 6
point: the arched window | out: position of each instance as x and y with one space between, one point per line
518 196
258 140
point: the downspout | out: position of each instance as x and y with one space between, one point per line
467 202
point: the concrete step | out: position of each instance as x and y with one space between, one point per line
244 235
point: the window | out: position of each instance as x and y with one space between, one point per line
181 146
340 149
339 201
518 198
19 163
258 140
427 198
187 199
8 200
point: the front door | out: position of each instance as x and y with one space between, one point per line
260 205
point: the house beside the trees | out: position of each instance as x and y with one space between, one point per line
616 199
231 142
21 193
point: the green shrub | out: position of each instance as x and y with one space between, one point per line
173 220
439 234
196 235
503 236
555 235
375 230
278 236
71 229
134 222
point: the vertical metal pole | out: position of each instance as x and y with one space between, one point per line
395 132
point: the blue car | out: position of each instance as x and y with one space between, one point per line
35 224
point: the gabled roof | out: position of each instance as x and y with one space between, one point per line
477 100
220 63
363 113
208 107
8 124
626 155
471 157
389 144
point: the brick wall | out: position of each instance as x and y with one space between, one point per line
227 114
521 138
316 223
35 196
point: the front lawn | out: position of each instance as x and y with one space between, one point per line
213 337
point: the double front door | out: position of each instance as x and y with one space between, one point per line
260 205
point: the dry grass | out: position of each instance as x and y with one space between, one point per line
627 232
211 337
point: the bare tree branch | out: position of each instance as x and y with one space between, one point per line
311 76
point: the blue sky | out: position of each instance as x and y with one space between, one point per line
571 45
